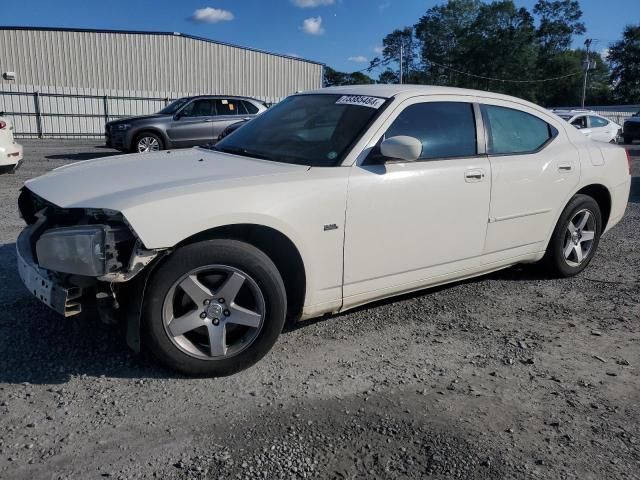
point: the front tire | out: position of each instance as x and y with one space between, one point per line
575 238
147 142
214 308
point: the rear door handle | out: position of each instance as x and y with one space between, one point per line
565 167
475 175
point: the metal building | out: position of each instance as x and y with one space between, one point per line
67 82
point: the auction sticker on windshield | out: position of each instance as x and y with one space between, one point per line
361 100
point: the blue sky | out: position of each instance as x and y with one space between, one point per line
345 38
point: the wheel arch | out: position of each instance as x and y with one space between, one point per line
148 129
602 196
277 246
599 192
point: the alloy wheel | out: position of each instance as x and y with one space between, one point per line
148 144
579 238
214 312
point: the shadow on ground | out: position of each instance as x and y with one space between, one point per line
82 156
39 346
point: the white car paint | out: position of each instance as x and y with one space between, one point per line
591 124
400 227
10 151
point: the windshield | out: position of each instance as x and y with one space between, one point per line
314 130
174 106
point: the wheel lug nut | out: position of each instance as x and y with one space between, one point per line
206 302
216 322
227 313
203 315
221 300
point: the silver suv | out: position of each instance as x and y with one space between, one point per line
186 122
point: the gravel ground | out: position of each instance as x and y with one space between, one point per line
511 375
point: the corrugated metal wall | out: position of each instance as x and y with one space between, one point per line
153 66
169 64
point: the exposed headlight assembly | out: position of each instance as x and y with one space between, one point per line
87 250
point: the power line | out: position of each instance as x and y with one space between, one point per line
383 62
550 79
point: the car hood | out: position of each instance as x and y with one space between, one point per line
142 117
633 119
122 181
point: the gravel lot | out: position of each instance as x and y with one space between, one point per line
508 376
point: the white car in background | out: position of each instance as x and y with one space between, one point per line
10 151
329 200
592 125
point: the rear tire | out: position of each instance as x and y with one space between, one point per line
228 328
575 238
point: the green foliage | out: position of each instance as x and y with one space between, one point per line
500 47
559 22
624 56
334 78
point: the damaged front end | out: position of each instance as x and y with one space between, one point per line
72 258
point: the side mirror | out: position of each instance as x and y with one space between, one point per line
178 115
586 131
402 147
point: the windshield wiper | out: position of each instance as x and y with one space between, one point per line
241 151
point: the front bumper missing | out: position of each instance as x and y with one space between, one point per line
43 283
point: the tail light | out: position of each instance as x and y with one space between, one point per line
628 159
3 125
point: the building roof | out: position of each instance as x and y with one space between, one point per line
143 32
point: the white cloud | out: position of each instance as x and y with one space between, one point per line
378 50
211 15
312 3
313 26
383 6
358 59
604 52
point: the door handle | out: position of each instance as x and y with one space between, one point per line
209 120
565 167
476 175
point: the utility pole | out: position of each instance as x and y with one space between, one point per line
401 59
587 65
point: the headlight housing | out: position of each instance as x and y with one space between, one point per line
122 126
86 250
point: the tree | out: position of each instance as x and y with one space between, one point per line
389 76
624 57
501 44
441 32
334 78
393 45
560 20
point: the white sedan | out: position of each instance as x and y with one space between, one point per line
592 125
10 151
329 200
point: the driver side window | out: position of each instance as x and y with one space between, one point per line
580 122
199 108
445 129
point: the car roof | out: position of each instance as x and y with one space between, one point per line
409 90
576 111
238 97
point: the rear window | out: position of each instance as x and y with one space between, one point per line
250 107
513 131
598 122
